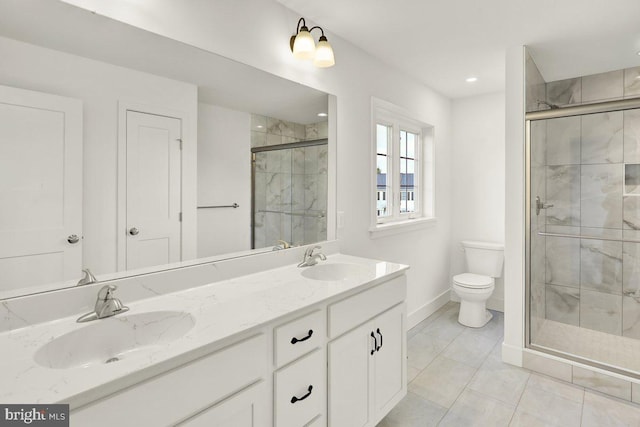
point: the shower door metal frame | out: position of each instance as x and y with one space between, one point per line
568 111
275 147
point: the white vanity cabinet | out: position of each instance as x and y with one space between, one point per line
339 363
367 365
300 394
217 387
246 408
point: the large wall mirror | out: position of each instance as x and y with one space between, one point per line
125 152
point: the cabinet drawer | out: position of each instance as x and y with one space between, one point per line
298 337
244 409
353 311
318 421
292 408
181 392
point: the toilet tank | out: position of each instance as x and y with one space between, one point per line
485 258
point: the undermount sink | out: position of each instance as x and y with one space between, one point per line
114 338
333 272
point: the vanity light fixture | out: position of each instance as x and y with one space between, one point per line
303 46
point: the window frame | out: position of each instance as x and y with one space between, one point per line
398 120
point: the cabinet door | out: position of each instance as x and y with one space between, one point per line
244 409
389 377
350 365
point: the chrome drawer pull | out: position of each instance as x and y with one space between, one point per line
295 340
295 399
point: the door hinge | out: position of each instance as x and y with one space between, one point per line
180 141
180 217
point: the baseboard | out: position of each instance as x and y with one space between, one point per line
511 354
428 309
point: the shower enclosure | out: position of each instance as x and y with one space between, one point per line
289 193
583 234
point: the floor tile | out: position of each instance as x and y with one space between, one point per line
551 408
412 373
413 411
525 419
457 378
600 411
469 349
442 381
556 387
500 381
475 409
445 327
422 348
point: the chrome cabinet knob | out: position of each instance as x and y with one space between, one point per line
73 239
133 231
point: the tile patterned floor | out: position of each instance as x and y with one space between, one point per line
457 378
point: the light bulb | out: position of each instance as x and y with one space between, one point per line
324 54
304 47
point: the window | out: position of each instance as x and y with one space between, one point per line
403 167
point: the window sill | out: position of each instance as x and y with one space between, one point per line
396 227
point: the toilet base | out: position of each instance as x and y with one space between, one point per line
474 314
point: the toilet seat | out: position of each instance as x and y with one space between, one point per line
473 281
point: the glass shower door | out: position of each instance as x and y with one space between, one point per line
289 194
584 237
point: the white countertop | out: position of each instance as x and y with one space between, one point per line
221 310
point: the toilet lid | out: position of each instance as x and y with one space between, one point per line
470 280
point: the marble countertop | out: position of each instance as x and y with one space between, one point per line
221 310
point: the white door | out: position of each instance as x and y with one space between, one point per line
40 188
350 362
153 190
390 364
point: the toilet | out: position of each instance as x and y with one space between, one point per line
484 263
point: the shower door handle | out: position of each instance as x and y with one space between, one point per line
541 205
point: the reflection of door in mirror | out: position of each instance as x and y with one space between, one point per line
40 188
153 189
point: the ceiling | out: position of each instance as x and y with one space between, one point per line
443 42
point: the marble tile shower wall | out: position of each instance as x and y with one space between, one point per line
535 90
291 184
592 178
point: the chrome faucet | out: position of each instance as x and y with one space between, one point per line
282 244
106 305
87 279
310 258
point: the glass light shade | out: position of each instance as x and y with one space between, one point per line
304 47
324 54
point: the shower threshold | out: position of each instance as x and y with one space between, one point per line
607 351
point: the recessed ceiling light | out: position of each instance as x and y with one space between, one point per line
259 126
322 114
471 79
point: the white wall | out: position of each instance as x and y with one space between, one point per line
224 178
514 208
478 182
354 80
100 86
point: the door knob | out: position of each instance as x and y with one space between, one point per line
73 239
133 231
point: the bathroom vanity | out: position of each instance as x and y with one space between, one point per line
321 345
